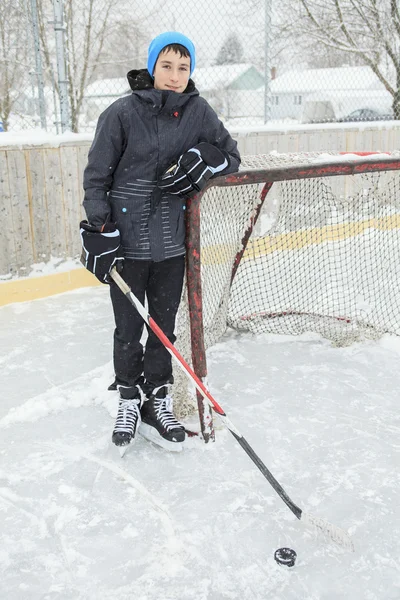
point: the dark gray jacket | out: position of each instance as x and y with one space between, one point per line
137 138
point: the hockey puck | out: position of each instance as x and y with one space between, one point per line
285 556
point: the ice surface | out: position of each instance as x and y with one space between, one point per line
80 523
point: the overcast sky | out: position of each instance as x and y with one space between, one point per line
206 23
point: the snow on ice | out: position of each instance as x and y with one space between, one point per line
79 523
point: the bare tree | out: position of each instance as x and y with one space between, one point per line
368 30
14 44
250 17
99 34
131 54
87 26
86 30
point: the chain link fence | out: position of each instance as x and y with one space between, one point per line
62 62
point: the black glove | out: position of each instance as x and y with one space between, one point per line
101 249
193 169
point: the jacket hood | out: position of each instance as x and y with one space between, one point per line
141 80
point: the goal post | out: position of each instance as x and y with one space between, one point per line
290 244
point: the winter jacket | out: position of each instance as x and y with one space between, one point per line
137 138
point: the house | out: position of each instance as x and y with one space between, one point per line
326 94
100 94
233 91
26 101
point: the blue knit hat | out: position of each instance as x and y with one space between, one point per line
165 39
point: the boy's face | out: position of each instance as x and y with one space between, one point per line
171 72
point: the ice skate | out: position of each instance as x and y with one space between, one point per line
158 423
128 417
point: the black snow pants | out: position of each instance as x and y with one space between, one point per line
161 282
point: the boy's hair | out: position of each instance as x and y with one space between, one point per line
177 48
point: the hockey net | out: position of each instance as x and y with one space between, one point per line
293 244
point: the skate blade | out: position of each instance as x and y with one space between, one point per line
151 434
124 449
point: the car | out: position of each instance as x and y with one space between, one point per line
367 114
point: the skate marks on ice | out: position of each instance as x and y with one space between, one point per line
117 470
182 551
67 532
326 420
11 499
60 337
119 530
41 545
224 516
85 390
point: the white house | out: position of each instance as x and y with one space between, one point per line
326 94
100 94
26 101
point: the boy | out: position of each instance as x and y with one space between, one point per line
132 194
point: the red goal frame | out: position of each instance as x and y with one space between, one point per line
365 162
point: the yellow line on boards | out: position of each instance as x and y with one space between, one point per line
32 288
295 240
314 236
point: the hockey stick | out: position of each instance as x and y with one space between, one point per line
335 533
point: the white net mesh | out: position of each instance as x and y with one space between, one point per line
323 256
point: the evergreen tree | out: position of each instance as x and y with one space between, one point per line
231 51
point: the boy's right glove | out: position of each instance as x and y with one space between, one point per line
100 249
193 169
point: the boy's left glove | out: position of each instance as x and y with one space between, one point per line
193 169
100 249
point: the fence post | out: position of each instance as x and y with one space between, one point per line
267 74
59 30
38 63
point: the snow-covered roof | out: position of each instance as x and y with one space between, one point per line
116 86
219 77
313 80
